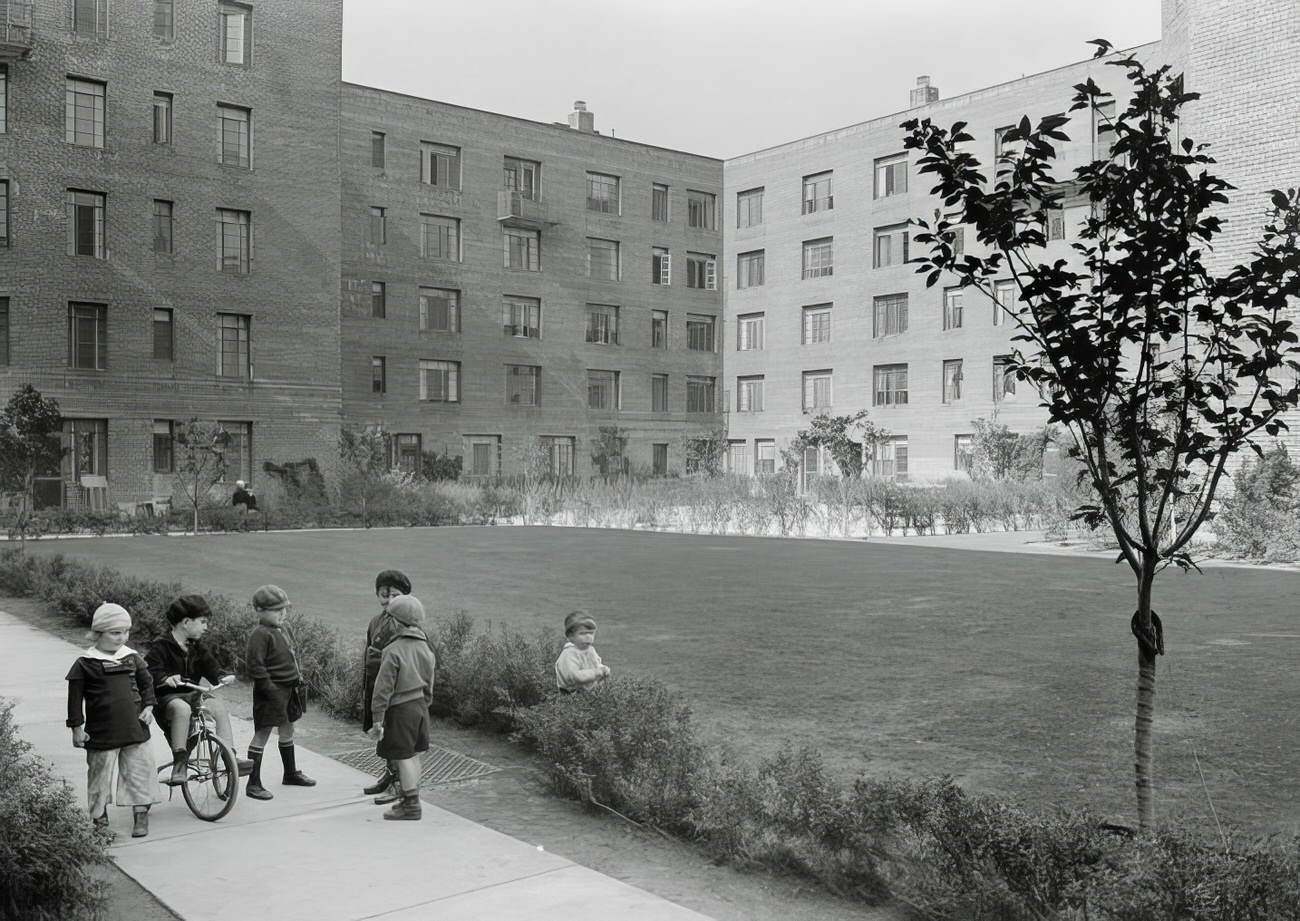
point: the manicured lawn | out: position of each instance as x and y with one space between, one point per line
1014 673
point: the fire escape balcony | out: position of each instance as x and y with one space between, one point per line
516 209
15 30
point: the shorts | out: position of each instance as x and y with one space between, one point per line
160 709
406 731
271 708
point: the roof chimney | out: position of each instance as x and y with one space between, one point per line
924 92
582 120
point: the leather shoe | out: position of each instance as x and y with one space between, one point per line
380 785
390 795
257 791
141 828
298 779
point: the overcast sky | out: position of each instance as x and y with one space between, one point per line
719 77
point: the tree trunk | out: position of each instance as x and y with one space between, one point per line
1150 644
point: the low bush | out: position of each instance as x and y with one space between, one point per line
485 678
1261 519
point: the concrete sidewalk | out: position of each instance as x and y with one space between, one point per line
324 852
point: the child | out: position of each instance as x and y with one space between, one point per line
579 668
403 692
273 669
389 584
179 658
111 683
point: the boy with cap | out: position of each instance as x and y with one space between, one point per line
403 692
389 584
579 667
110 694
278 696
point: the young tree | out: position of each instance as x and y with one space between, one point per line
609 451
365 454
837 435
1161 369
30 426
705 452
200 460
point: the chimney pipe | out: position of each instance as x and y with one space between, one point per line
582 120
924 92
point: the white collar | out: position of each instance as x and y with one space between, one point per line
95 652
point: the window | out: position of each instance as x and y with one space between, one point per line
749 332
239 452
439 381
234 241
890 385
83 119
164 22
890 315
818 258
522 317
764 456
85 224
378 300
407 448
952 381
4 212
559 454
738 458
659 459
162 226
377 149
700 394
87 332
484 454
521 385
699 332
524 177
701 271
602 259
523 249
440 165
90 18
817 193
440 237
4 98
378 374
749 269
1004 379
4 332
378 233
602 390
162 118
1005 298
602 193
440 310
956 235
163 438
701 210
749 208
233 355
749 394
661 266
963 452
1103 129
1055 225
602 324
233 136
659 393
952 298
659 329
817 324
87 446
816 390
234 33
164 335
659 203
1006 150
891 176
890 461
890 246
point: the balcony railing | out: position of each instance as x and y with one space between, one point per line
15 29
519 210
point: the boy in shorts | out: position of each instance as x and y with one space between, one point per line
403 692
277 689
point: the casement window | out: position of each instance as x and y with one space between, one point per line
889 315
164 335
749 332
1103 129
701 271
661 266
87 446
523 249
87 337
1005 298
164 438
749 208
891 176
701 210
234 241
439 310
817 324
602 259
700 394
956 235
377 233
83 119
952 377
890 460
484 453
234 346
163 239
818 258
659 393
890 246
659 329
659 459
378 374
963 453
817 393
749 394
378 300
602 193
659 203
521 385
952 301
162 118
85 223
377 149
164 19
1004 379
890 385
234 34
1006 151
749 269
817 193
407 451
4 98
764 456
4 332
738 458
440 238
521 317
439 381
239 450
90 18
559 450
602 390
523 176
700 332
440 165
234 136
602 324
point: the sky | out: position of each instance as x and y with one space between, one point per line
719 77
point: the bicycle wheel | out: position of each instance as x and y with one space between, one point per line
212 784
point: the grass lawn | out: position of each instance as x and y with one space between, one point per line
1015 673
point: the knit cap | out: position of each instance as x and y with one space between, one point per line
578 620
110 616
406 609
270 598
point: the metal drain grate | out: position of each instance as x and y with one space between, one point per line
440 765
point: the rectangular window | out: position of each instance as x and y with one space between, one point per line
764 456
4 332
701 210
952 299
602 324
85 223
234 136
234 33
522 317
83 120
818 258
952 380
699 332
378 374
1055 225
234 241
87 447
524 177
749 269
890 246
162 226
602 193
817 193
602 390
602 259
890 315
1005 298
407 449
1004 379
484 454
661 266
234 358
162 118
440 165
4 98
700 393
378 300
378 233
440 237
963 452
891 176
523 249
701 271
377 149
163 438
659 393
164 335
749 208
659 203
559 453
440 310
659 329
817 324
1103 129
890 461
956 235
4 212
164 19
521 385
439 381
816 390
239 452
749 394
1006 150
659 459
90 18
890 385
87 337
738 458
749 332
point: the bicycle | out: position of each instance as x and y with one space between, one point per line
211 783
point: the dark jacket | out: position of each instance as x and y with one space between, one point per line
108 696
271 659
195 662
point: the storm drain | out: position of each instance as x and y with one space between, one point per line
440 765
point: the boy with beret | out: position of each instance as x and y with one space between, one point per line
579 667
277 689
389 584
403 692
